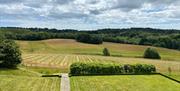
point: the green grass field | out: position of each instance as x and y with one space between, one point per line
68 46
22 83
123 83
18 72
54 56
45 70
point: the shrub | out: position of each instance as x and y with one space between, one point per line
106 52
151 53
144 68
10 55
110 69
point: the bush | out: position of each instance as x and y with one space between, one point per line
10 55
110 69
87 38
139 68
106 52
151 53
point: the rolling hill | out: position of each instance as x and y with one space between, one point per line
54 56
68 46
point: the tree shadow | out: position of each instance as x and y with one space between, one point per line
5 68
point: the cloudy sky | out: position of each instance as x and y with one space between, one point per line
90 14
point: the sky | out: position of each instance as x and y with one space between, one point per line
90 14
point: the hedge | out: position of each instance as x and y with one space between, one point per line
110 69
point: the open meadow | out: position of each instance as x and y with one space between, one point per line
68 46
56 55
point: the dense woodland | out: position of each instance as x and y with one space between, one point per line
139 36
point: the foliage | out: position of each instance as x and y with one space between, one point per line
151 53
139 36
10 55
107 69
87 38
106 52
166 42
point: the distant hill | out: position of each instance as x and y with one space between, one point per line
166 38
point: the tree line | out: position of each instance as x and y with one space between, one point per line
138 36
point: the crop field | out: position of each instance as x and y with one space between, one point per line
123 83
23 83
62 62
56 61
56 55
68 46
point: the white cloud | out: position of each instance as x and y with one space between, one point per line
89 12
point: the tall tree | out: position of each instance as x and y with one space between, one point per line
10 55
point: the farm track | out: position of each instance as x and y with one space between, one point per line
65 82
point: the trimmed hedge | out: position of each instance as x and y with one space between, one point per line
110 69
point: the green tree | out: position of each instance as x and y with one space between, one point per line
88 38
106 52
10 55
151 53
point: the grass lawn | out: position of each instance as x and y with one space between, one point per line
123 83
47 71
18 72
21 83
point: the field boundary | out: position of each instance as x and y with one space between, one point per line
51 76
169 77
114 74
